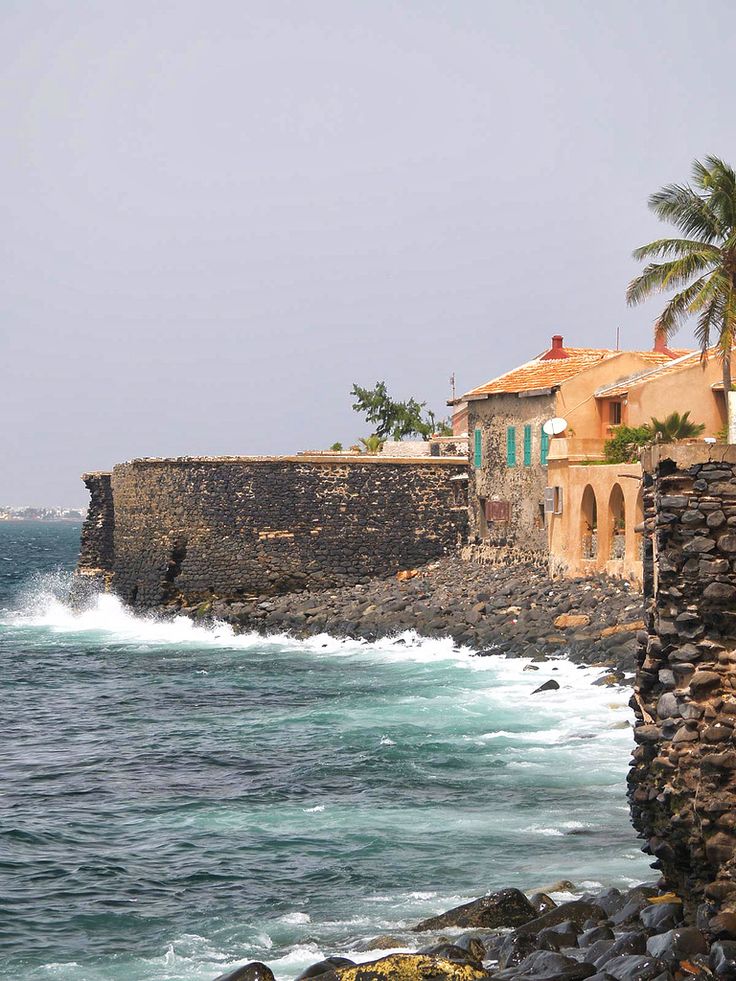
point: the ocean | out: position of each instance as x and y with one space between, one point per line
176 800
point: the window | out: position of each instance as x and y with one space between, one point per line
544 449
614 413
511 446
527 446
478 449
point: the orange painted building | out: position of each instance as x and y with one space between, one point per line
539 496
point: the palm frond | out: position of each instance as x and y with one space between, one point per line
664 247
688 211
659 276
709 320
678 309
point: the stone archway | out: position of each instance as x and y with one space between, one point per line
617 523
589 524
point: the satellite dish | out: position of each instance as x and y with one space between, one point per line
554 427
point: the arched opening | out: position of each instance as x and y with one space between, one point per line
617 522
589 524
638 523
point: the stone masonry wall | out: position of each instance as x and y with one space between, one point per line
682 784
96 551
235 527
524 536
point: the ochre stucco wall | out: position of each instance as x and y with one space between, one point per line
566 530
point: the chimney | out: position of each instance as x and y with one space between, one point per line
557 350
660 345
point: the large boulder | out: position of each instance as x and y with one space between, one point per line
578 912
679 944
255 971
507 908
327 966
546 965
412 967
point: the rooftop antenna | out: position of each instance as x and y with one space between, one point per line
618 338
452 385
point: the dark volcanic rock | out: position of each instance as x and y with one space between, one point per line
507 908
676 945
577 912
327 966
550 685
546 965
723 958
255 971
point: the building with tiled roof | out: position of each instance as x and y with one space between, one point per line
558 364
594 390
553 497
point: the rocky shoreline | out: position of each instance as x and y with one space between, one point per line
638 934
515 610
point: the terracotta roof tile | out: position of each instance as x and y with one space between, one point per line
683 360
539 373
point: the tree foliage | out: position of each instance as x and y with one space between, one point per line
396 420
700 267
675 427
623 446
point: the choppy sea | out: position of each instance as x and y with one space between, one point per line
176 800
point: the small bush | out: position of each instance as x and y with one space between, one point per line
623 446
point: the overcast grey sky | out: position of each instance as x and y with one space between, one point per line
219 215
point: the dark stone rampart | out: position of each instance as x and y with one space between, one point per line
96 550
683 780
191 529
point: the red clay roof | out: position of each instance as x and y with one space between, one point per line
538 373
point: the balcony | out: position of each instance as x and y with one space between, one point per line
575 449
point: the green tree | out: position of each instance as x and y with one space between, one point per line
336 447
675 427
391 418
623 446
701 266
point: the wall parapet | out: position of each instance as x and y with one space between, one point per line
190 528
682 785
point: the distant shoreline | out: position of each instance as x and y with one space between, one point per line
41 521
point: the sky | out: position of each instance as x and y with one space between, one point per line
218 216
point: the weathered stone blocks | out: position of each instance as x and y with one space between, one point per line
682 785
193 529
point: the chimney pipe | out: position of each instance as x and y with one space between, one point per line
557 350
660 345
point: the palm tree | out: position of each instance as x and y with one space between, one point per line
701 266
373 444
675 427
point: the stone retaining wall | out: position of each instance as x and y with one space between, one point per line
192 529
682 785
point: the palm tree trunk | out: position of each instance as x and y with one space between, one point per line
729 396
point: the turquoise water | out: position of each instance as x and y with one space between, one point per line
175 800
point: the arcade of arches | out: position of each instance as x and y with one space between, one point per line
595 524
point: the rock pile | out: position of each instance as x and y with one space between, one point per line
514 610
636 935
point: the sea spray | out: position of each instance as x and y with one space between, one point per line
179 799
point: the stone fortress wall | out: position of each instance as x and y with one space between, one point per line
682 784
194 528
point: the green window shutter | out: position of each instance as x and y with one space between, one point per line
527 446
478 449
544 448
511 446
